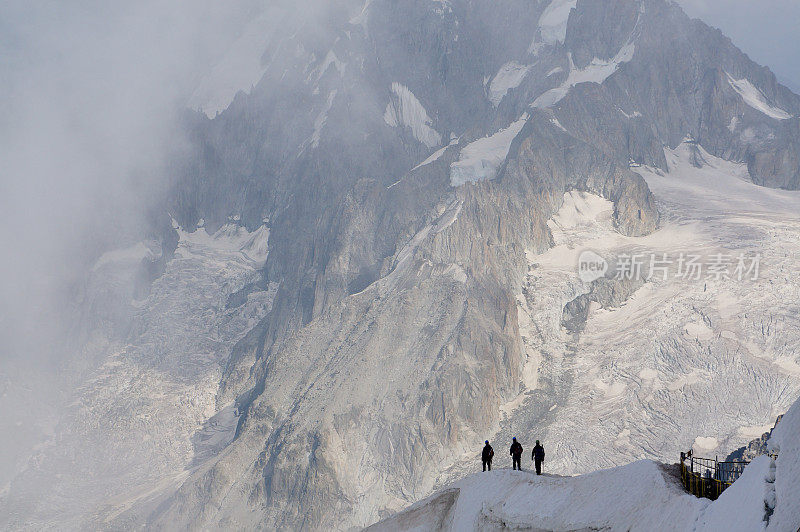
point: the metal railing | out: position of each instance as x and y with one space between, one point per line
708 477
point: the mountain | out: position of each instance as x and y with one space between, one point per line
371 266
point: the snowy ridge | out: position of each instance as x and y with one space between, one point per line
406 110
753 97
632 497
785 475
638 496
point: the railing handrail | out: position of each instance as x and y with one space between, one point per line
711 477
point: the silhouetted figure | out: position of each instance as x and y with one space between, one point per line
487 455
537 455
516 454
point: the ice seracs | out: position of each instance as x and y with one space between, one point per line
230 238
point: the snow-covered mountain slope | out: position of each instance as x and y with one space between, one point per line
673 358
642 495
638 496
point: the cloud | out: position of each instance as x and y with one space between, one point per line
92 92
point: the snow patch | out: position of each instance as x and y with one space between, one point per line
405 109
361 18
648 374
705 443
595 72
580 209
555 122
635 114
319 123
435 155
753 97
480 159
331 59
508 77
553 22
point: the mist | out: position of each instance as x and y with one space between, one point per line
92 94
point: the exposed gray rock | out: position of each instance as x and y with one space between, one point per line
607 292
755 448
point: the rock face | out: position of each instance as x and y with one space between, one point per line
756 447
406 157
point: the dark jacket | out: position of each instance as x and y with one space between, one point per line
538 453
488 453
516 449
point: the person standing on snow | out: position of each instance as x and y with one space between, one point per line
486 456
516 454
537 455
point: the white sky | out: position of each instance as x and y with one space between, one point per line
766 30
